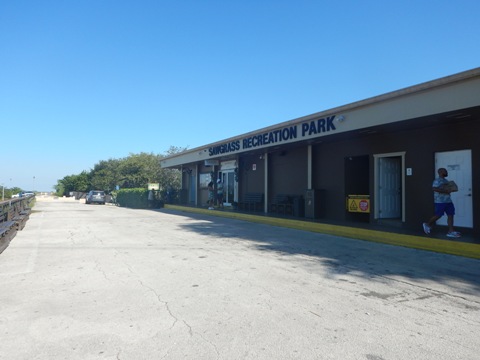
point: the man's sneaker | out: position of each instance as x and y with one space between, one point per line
211 208
426 228
454 234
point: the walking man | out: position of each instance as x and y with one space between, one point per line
443 204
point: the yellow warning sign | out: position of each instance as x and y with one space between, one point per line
353 206
358 203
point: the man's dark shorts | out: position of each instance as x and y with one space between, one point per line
444 208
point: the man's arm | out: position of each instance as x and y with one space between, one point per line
442 190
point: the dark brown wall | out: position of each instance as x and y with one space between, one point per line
251 180
420 146
288 171
328 168
331 172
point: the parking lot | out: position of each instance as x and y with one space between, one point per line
103 282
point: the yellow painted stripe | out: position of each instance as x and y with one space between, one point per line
411 241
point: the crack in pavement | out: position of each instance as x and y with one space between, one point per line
165 304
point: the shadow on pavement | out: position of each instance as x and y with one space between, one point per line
345 255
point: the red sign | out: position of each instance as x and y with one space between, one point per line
363 204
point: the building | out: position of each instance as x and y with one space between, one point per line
371 161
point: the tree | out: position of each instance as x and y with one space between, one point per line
172 150
105 175
133 171
8 193
71 183
139 169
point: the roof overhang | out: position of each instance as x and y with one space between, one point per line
446 95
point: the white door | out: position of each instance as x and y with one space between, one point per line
459 167
390 187
228 179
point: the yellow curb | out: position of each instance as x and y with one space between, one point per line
411 241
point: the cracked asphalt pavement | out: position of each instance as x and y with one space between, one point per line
103 282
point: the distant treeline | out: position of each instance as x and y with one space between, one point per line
133 171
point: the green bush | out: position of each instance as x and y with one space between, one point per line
133 198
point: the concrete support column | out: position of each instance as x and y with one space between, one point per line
265 188
309 167
197 190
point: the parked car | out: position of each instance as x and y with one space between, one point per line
95 196
23 194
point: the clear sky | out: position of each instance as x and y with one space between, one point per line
91 80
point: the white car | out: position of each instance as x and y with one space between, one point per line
23 194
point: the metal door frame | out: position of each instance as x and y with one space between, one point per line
376 181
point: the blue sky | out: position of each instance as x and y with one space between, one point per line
85 81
